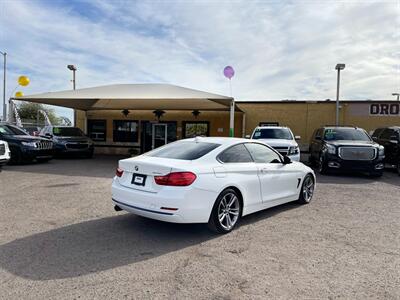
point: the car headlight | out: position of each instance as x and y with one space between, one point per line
293 150
29 144
381 151
331 149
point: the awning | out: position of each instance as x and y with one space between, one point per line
134 97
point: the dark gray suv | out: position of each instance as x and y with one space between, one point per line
68 140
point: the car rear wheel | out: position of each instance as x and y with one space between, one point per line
226 212
307 190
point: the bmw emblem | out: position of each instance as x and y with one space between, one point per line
136 168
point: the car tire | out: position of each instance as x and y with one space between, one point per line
376 174
89 155
307 189
226 212
16 157
322 167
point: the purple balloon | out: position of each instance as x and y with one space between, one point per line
229 72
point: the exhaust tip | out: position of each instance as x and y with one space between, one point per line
117 208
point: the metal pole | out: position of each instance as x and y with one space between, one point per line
337 97
232 114
73 79
4 86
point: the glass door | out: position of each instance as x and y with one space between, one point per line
159 135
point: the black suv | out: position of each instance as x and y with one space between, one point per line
389 137
24 147
68 140
346 149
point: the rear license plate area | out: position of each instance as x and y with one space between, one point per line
139 179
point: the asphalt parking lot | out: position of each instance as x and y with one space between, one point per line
61 239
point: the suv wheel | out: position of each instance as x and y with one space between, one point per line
322 168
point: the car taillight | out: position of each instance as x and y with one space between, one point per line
119 172
176 179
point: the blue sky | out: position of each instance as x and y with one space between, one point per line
279 49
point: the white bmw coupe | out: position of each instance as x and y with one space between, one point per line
209 180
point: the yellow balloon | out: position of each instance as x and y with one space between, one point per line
19 94
23 80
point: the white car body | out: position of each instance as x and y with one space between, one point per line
283 146
261 185
4 153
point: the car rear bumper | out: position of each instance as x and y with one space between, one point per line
189 205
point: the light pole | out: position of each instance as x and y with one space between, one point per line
73 69
338 68
396 94
4 86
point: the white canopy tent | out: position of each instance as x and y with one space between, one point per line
136 97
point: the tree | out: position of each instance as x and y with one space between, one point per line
29 111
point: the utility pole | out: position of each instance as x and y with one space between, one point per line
73 69
338 68
4 86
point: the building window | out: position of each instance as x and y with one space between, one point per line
192 129
97 130
125 131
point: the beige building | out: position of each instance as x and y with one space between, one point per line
138 120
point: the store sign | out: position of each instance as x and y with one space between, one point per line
384 109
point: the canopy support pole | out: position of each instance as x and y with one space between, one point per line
232 119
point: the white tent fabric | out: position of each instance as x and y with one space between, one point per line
134 97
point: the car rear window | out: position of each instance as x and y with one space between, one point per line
184 150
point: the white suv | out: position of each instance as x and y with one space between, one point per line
4 153
279 138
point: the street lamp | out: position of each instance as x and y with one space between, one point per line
396 94
4 85
73 69
338 68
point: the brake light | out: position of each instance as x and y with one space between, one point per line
119 172
176 179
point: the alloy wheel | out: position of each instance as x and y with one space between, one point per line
228 211
308 189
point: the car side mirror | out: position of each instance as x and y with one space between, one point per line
318 138
297 138
247 136
286 160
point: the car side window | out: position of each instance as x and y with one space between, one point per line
387 133
262 154
235 154
318 134
377 133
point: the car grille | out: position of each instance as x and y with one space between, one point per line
357 153
2 149
282 150
77 145
44 145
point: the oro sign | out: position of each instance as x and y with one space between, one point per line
384 109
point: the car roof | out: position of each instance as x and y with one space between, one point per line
217 140
272 127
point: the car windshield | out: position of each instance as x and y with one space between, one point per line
272 133
11 130
187 150
67 131
350 134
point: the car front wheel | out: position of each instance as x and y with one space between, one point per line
226 212
322 168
